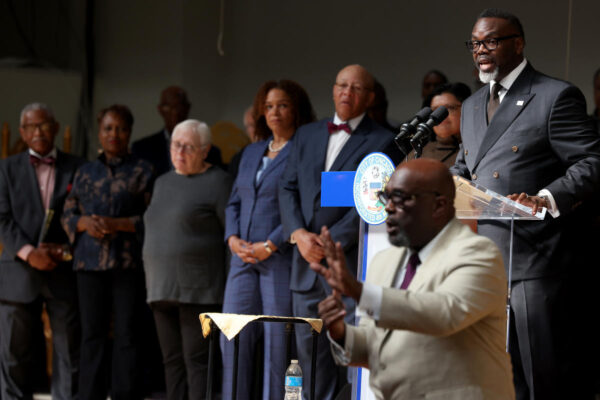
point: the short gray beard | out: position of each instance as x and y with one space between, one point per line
399 239
487 77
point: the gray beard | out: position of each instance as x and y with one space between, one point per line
399 239
487 77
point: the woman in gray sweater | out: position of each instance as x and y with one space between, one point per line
184 257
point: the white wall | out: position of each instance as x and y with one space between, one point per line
143 46
23 86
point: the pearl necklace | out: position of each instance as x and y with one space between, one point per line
272 150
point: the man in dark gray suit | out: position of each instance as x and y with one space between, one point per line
33 266
527 136
332 144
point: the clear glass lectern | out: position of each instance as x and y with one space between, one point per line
474 201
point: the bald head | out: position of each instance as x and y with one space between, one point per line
421 194
353 91
359 72
174 94
429 174
174 106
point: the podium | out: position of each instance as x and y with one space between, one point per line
232 324
472 202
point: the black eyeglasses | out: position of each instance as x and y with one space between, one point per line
489 43
45 127
399 198
353 88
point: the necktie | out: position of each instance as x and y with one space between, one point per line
331 127
411 269
494 102
35 160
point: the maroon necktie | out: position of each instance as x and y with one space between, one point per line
35 160
494 102
331 127
411 269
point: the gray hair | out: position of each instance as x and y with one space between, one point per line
199 128
35 107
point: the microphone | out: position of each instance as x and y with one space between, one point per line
408 129
425 132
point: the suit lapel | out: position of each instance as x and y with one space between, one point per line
31 186
257 162
388 276
61 178
480 117
514 102
431 265
318 147
275 163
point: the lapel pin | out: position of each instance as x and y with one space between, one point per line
520 103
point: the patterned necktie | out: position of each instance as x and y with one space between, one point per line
331 127
494 102
35 160
411 269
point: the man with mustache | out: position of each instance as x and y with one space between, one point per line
435 324
527 136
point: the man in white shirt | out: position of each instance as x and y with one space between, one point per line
433 305
527 136
332 144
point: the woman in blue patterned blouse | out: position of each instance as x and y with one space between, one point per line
103 218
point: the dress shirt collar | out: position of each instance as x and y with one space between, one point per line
167 135
426 250
52 153
509 79
354 122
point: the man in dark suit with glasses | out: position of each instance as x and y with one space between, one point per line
527 136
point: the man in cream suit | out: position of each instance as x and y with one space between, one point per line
433 305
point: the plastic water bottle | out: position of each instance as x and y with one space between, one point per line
293 382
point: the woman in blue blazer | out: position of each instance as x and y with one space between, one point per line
258 280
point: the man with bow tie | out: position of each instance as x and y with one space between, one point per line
332 144
34 267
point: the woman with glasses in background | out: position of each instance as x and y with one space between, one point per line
184 257
447 133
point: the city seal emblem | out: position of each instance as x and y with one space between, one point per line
373 173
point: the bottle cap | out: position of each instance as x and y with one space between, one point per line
294 361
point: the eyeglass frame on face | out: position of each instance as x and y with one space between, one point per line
353 88
45 127
384 198
186 148
490 44
451 107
